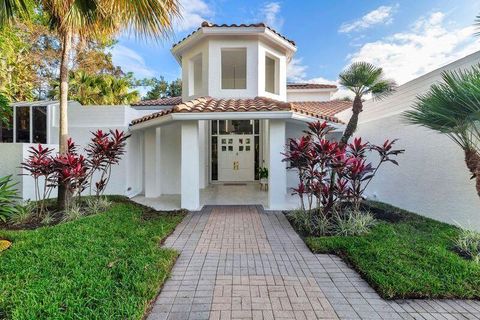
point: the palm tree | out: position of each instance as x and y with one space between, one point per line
82 20
363 78
453 108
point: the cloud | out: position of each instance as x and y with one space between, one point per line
271 15
427 45
296 71
193 12
131 61
381 15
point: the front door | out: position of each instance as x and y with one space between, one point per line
236 157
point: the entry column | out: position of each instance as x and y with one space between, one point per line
152 162
277 181
190 166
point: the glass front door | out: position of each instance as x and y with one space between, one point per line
235 150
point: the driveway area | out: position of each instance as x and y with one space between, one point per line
241 262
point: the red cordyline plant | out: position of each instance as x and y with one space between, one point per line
315 158
72 169
104 151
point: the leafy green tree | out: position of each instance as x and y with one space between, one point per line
5 111
363 78
159 89
92 19
453 108
175 88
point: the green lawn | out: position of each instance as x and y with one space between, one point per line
411 258
105 266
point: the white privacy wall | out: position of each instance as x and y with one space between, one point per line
432 178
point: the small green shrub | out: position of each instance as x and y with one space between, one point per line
72 213
23 213
95 205
8 198
468 244
48 219
353 223
310 223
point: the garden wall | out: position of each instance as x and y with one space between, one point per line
432 178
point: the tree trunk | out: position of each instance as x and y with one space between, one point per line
352 123
63 194
472 159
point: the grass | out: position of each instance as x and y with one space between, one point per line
104 266
411 258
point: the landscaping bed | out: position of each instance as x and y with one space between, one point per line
103 266
406 256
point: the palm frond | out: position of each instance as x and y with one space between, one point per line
477 24
451 107
363 77
10 9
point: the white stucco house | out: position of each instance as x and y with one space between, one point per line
235 115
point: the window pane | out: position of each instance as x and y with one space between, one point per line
39 125
6 132
269 75
257 127
214 125
215 158
23 124
257 156
236 126
234 68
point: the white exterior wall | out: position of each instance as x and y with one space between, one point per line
308 95
170 158
215 47
280 72
432 178
187 72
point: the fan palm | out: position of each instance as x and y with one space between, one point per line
88 19
363 78
452 107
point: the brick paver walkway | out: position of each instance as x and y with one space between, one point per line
240 262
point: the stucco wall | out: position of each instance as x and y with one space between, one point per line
432 178
170 158
308 96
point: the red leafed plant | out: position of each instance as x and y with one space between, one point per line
104 151
331 175
73 170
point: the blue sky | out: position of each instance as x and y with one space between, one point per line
407 38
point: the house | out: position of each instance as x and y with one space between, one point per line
236 113
432 178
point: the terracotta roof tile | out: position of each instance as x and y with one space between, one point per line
322 110
310 86
207 24
325 108
167 101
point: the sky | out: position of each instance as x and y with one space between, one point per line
406 38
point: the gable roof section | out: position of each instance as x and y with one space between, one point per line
206 24
166 101
322 110
310 86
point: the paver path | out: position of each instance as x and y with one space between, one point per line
240 262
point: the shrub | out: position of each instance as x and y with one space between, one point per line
23 213
353 222
96 205
309 223
72 170
468 244
8 198
330 174
73 212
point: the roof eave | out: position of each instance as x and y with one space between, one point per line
203 32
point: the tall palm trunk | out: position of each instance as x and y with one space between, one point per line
472 159
352 123
63 194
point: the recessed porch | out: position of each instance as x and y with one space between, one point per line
220 194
